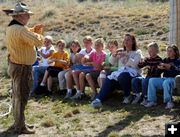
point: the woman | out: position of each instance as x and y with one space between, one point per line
128 59
170 68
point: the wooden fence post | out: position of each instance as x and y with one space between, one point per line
178 23
174 34
172 21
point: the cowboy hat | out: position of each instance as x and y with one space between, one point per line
20 8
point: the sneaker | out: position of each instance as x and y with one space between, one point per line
126 100
136 99
93 96
31 94
169 105
77 96
144 102
42 84
48 93
68 95
150 104
96 103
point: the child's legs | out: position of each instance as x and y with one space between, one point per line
53 72
136 84
91 77
69 80
75 74
153 85
49 83
101 78
145 82
168 87
82 81
178 84
45 77
62 80
35 77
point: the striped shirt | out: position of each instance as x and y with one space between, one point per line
152 64
21 43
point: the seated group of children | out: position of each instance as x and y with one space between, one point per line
119 68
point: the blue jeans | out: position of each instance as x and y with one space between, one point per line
140 83
165 84
37 72
124 82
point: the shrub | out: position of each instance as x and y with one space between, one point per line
143 31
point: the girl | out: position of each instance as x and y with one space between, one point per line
107 66
45 52
96 59
74 50
61 62
170 68
151 64
74 74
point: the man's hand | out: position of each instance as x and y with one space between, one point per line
39 28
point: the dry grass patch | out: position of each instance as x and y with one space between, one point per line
48 122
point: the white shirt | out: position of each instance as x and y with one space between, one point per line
44 61
131 65
85 53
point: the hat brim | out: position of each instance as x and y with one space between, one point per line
11 12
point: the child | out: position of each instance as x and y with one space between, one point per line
170 68
61 62
107 66
151 64
45 52
75 48
74 74
96 59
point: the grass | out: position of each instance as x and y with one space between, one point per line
70 20
74 118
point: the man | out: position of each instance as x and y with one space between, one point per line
21 42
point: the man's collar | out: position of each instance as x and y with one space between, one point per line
13 22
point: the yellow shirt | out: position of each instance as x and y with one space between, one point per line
64 56
21 44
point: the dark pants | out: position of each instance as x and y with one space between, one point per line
124 83
140 83
21 76
54 71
